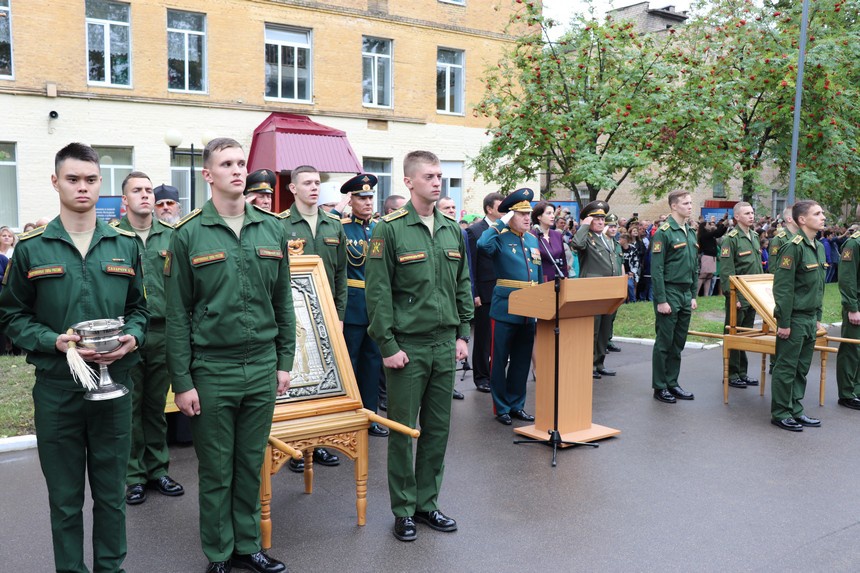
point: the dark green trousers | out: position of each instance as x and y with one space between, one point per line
79 438
602 334
230 436
422 390
738 358
848 361
149 454
671 335
793 357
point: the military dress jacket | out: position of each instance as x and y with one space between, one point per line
849 270
798 281
739 255
358 235
152 255
599 255
49 287
416 284
329 244
517 264
674 259
229 298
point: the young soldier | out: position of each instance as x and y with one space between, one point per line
798 290
419 302
789 230
674 277
150 458
78 268
312 231
517 263
740 254
230 347
848 358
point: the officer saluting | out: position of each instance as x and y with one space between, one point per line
363 351
517 262
259 188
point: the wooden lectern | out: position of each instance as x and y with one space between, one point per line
580 300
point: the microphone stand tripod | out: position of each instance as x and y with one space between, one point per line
554 439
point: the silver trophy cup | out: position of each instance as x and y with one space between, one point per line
102 336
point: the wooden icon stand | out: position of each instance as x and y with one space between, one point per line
580 300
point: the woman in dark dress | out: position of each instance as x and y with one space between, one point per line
550 241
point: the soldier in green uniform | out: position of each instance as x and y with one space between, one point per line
230 346
848 358
78 268
150 458
740 254
788 231
798 290
674 277
312 231
599 256
419 301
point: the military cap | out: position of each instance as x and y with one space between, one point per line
595 209
361 185
166 193
612 219
519 200
261 181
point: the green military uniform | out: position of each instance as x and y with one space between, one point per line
150 457
674 278
419 300
740 254
49 288
776 242
798 290
848 358
230 326
329 244
599 256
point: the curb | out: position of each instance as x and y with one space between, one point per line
16 443
650 342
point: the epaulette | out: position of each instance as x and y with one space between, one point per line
732 233
284 214
449 216
665 227
330 216
503 231
395 215
781 234
856 235
165 223
797 239
346 220
114 223
123 231
187 218
269 213
32 233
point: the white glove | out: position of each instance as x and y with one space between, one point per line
507 217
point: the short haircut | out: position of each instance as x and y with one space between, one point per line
388 204
787 214
676 196
490 200
413 158
302 169
134 175
540 209
79 151
445 198
801 208
740 205
218 144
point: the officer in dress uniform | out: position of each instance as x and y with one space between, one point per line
260 188
517 263
599 256
363 351
848 358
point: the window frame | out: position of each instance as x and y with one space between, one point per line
106 24
113 184
14 164
374 84
8 15
454 2
280 44
381 176
453 170
184 171
462 90
186 33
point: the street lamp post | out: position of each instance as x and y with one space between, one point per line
173 138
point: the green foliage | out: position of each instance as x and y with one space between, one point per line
16 404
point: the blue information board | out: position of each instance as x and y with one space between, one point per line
109 207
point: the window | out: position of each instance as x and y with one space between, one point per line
719 187
108 43
5 39
180 177
288 63
8 186
186 51
376 72
382 169
457 2
778 202
116 163
449 81
452 182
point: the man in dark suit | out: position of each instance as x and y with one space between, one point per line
483 283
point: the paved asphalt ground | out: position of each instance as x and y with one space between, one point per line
695 486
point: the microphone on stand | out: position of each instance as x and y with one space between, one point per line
545 244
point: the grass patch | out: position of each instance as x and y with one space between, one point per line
636 320
16 400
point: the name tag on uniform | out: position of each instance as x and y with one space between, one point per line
270 253
208 258
744 253
56 270
411 258
333 241
679 246
454 255
119 270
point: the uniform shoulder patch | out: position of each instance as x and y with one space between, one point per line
732 233
331 216
114 223
856 235
725 252
774 249
187 218
848 254
665 227
657 247
162 223
376 247
395 215
123 232
269 213
32 233
786 262
797 239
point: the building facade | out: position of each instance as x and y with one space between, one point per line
395 76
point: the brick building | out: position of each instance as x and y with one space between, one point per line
395 76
